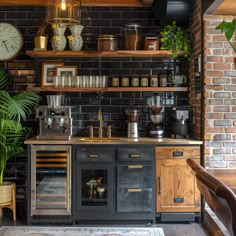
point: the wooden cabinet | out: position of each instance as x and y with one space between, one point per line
176 189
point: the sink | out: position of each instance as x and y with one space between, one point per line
99 139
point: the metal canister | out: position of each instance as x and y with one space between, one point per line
107 42
151 43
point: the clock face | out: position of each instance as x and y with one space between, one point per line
11 41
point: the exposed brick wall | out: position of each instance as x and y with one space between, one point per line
196 98
219 97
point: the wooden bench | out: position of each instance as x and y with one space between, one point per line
220 198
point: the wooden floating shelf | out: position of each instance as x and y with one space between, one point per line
110 89
118 53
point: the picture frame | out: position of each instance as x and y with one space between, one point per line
49 69
67 70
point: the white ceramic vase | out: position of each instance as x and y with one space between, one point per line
75 39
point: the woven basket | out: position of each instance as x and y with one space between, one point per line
6 192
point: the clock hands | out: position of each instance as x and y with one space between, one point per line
4 42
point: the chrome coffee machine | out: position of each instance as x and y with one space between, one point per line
54 122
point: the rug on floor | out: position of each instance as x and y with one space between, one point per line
79 231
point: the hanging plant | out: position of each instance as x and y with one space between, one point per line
175 39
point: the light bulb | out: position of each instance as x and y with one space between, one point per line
63 5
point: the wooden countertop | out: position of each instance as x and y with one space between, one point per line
116 140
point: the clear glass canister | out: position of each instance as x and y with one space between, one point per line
133 37
107 42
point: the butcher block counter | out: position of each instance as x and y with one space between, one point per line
116 140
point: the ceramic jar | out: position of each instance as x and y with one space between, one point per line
75 39
58 40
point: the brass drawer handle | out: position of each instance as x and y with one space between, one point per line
135 167
134 190
93 155
135 155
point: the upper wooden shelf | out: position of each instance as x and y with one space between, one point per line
94 3
119 53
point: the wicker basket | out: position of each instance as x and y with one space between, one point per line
6 192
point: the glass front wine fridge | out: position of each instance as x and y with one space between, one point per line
50 183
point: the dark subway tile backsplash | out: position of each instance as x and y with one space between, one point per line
96 21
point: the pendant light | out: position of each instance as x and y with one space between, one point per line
63 12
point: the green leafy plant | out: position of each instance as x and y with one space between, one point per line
13 110
228 28
175 39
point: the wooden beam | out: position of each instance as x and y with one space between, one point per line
222 7
115 3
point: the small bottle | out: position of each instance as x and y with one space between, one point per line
144 81
125 81
115 81
154 81
135 81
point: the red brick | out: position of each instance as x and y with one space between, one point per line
230 130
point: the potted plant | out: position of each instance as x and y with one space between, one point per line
13 110
175 39
228 28
41 37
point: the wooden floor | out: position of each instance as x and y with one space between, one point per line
173 229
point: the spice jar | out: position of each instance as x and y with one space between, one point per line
125 81
163 80
154 81
107 42
115 81
133 37
151 43
144 81
135 81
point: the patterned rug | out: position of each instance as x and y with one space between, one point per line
79 231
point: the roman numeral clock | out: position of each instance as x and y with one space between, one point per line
11 41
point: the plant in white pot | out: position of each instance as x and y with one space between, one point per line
13 110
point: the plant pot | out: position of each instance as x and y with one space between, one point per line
6 192
41 42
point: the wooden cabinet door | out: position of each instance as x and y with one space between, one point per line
176 189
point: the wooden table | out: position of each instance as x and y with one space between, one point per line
228 176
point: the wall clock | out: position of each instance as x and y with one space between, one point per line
11 41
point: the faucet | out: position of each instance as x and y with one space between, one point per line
100 123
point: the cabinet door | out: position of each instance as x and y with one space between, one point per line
176 189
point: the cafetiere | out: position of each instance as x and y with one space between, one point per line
155 104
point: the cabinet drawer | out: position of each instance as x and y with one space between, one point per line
177 152
135 154
95 154
134 200
134 176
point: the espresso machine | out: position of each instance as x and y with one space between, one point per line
180 122
155 104
55 121
132 118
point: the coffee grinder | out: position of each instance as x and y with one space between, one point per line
155 104
132 117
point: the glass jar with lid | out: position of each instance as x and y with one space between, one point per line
133 37
135 81
115 81
107 42
125 81
144 81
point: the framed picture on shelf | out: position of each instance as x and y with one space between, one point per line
67 70
49 69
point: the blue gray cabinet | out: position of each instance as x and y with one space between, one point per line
114 183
